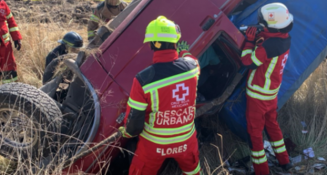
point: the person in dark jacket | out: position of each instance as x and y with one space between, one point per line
71 43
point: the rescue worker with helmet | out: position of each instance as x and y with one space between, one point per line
8 69
161 106
105 11
70 43
265 54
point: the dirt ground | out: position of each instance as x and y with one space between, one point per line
77 11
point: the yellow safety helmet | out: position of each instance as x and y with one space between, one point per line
162 30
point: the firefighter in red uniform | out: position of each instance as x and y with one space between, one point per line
7 60
265 54
161 107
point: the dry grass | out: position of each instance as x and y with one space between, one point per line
307 104
38 41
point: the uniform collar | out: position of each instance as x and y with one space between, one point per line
163 56
266 34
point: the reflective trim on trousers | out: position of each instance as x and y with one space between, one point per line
277 143
195 171
259 161
280 150
258 153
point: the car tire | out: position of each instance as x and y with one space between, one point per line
50 70
30 123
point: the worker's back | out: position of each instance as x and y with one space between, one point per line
170 91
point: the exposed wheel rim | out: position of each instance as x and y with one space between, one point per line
17 129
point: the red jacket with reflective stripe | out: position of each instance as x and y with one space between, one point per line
166 92
7 17
266 61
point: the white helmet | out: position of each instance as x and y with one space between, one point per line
276 15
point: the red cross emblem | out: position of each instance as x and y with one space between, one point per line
271 16
180 92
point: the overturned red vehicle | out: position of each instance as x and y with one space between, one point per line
88 105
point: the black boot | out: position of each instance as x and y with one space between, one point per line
287 167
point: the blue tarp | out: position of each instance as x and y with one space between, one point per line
308 50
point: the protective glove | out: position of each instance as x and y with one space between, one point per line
250 33
123 132
182 46
18 44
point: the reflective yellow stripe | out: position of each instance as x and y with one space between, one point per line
68 43
90 33
185 54
258 153
7 40
171 80
197 169
254 58
164 35
137 105
280 150
170 140
168 131
154 107
5 35
260 89
126 135
269 71
94 18
154 101
277 143
13 29
259 160
9 16
266 88
245 52
10 80
259 96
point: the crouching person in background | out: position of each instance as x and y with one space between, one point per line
71 43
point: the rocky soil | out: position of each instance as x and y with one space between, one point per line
46 11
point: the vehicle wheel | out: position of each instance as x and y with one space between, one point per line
50 69
30 122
